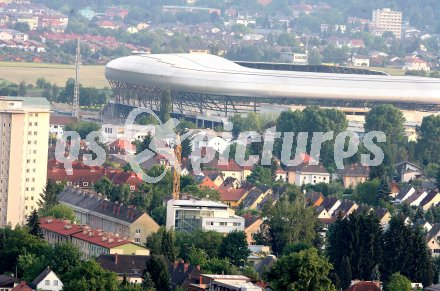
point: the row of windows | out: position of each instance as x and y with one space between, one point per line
222 223
30 142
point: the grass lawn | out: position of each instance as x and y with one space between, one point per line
55 73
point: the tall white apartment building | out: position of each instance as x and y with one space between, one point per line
388 20
24 133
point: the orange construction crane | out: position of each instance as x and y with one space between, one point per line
176 174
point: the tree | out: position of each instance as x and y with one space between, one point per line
60 211
306 270
235 248
389 120
165 106
358 238
104 186
384 191
22 89
167 245
83 128
49 197
344 273
33 223
22 27
40 83
64 257
405 251
366 192
260 176
89 275
147 282
144 144
290 221
158 270
398 282
428 138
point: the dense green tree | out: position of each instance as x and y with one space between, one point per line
358 238
235 248
104 186
60 211
389 120
83 128
147 282
219 266
384 191
398 282
158 270
89 275
207 241
260 176
143 144
14 243
296 248
33 223
31 266
64 257
165 106
366 192
290 221
49 197
428 139
306 270
167 246
405 251
344 273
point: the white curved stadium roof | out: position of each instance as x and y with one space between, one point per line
209 74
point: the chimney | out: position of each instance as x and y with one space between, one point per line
110 240
176 263
118 210
198 267
116 258
185 267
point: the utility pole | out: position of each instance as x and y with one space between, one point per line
76 89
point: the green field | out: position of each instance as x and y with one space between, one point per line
54 73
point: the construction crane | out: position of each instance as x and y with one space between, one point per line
76 88
176 174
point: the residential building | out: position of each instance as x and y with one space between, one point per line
354 174
112 132
216 177
183 274
93 243
252 225
416 64
365 285
314 199
408 171
231 196
205 182
225 283
360 61
433 240
307 174
388 20
130 266
24 124
58 123
187 215
432 199
47 281
255 196
8 282
94 210
56 231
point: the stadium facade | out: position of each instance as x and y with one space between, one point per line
201 82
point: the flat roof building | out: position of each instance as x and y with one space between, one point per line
388 20
188 215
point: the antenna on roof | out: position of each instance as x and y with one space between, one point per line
76 89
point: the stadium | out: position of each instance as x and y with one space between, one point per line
208 84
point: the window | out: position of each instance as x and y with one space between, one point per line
138 231
30 123
132 188
85 184
36 123
47 282
137 240
55 282
35 132
223 223
209 223
29 132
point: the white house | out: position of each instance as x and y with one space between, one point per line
47 280
58 123
112 132
416 64
188 215
307 174
360 61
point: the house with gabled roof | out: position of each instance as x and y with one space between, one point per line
433 240
307 173
432 199
8 282
405 193
255 196
96 211
231 196
314 199
252 225
416 197
346 208
216 177
47 280
354 174
331 204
